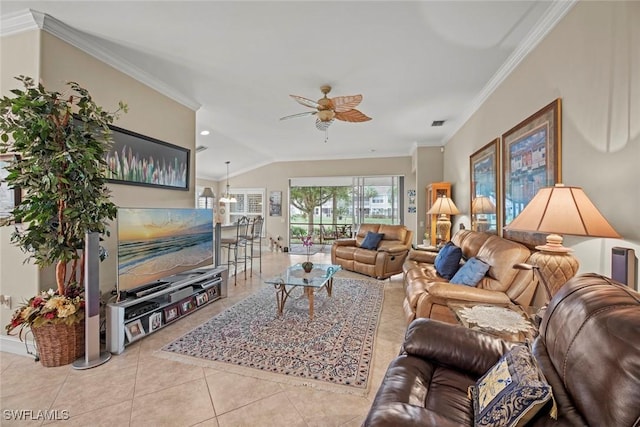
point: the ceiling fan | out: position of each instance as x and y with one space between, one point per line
328 109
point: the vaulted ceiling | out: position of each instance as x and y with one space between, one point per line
237 62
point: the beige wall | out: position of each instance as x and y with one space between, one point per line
592 61
275 177
19 54
150 113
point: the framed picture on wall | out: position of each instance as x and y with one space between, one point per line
275 203
485 194
531 160
9 196
136 159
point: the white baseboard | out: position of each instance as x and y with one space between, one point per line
10 344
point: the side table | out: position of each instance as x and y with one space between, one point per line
513 323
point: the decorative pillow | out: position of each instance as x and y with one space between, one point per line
447 261
471 272
371 240
512 392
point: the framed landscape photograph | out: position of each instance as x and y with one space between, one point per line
136 159
531 160
485 195
134 330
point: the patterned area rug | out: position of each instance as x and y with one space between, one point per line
335 348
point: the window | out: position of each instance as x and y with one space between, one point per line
250 203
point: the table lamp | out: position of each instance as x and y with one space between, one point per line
480 208
207 193
443 206
560 210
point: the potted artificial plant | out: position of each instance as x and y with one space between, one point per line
60 141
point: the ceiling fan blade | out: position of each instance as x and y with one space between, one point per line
323 125
306 113
352 115
345 103
304 101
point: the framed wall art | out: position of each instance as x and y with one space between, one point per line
485 194
275 203
136 159
531 160
9 197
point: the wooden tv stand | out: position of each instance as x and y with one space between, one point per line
136 317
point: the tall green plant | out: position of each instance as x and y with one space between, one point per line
60 140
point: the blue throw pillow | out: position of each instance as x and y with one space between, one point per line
448 260
371 240
471 272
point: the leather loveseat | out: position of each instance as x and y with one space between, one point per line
427 293
384 260
588 349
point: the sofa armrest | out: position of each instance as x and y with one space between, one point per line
423 256
455 346
344 242
455 292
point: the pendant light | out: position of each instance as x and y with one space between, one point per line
226 198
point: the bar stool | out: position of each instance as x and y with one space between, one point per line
236 244
252 239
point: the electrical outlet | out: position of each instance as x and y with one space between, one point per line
5 301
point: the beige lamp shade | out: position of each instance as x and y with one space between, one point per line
443 206
207 192
562 210
483 205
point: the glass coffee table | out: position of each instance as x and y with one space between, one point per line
293 277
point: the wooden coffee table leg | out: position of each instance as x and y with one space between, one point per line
281 297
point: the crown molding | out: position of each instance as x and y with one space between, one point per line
30 20
547 22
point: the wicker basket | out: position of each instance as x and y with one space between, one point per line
59 344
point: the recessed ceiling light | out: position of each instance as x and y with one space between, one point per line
205 133
436 123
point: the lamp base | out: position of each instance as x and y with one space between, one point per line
556 267
443 225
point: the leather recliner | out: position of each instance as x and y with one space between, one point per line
428 295
381 263
588 348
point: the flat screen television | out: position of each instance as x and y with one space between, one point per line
157 245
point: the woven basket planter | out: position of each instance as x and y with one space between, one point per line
59 344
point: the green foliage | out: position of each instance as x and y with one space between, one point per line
61 140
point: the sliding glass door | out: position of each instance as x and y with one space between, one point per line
330 208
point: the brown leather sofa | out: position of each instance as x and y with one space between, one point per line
381 263
588 348
427 294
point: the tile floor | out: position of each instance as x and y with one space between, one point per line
137 388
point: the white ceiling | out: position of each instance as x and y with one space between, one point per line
236 62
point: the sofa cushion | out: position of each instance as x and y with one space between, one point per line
470 273
371 240
448 260
393 232
511 392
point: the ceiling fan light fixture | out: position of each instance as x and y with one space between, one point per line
326 115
